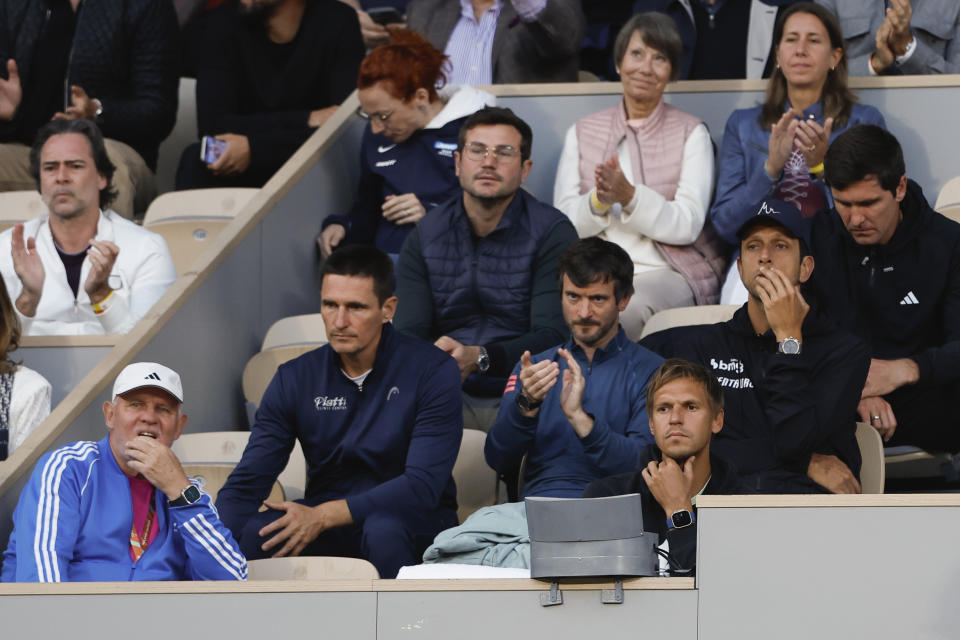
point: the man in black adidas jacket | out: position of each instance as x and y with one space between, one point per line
888 270
791 379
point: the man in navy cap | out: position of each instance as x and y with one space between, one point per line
791 379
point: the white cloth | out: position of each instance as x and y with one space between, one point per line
29 405
141 273
649 216
459 101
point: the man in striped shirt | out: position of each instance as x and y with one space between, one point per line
122 509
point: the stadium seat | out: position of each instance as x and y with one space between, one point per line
306 329
311 568
948 202
198 203
685 316
213 476
911 462
19 206
188 220
476 481
260 369
872 472
226 447
188 238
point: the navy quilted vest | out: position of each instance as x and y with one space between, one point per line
481 286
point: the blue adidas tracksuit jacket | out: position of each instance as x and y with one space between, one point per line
73 521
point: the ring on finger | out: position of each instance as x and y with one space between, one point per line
811 147
874 419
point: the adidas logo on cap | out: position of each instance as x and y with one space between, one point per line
152 376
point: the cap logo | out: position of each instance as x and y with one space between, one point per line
767 210
152 376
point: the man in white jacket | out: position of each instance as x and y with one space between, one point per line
80 269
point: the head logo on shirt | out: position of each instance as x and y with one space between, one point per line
394 391
327 403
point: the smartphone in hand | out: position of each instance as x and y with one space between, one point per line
384 15
211 148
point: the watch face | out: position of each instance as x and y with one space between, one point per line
191 494
790 346
682 519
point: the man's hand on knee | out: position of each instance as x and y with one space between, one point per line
829 471
300 525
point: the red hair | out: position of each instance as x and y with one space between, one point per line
407 63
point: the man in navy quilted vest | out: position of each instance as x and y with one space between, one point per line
478 276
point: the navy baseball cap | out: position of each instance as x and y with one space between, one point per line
786 215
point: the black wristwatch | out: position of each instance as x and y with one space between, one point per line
526 404
188 496
680 519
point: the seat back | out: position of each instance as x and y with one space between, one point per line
19 206
226 447
476 481
685 316
296 330
262 366
213 476
187 238
948 201
198 203
311 568
872 470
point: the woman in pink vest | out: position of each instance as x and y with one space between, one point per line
641 174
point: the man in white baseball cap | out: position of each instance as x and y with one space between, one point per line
122 509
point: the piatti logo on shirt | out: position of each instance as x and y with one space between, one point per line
329 403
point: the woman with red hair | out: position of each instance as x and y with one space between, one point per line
406 157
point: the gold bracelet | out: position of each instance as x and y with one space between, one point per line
817 170
102 306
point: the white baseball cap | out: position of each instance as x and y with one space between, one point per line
148 374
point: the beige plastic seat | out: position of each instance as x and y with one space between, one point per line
295 331
872 470
188 238
685 316
198 203
226 447
19 206
212 477
948 201
262 366
476 481
311 568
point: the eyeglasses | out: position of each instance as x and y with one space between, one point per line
380 117
478 152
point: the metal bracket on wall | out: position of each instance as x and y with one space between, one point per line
613 596
555 596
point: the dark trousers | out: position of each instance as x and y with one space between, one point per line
388 540
927 417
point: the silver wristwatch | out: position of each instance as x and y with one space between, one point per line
790 346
